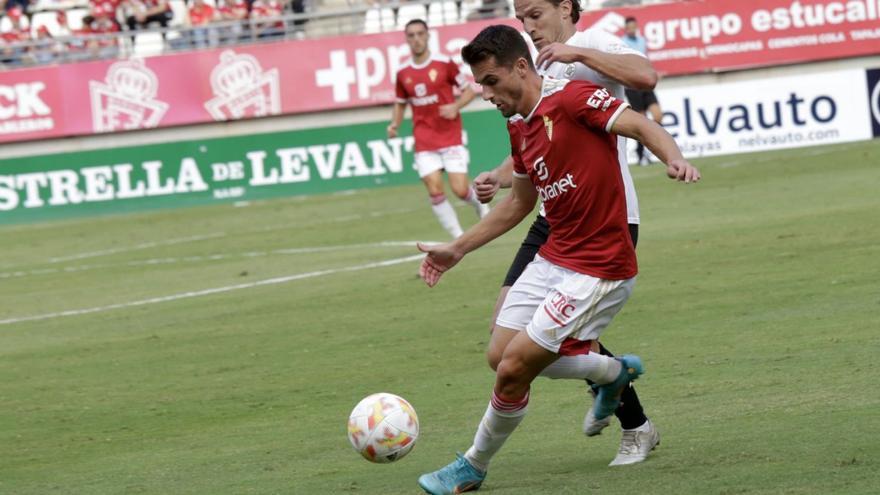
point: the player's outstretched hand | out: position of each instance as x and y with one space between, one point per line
682 171
439 259
449 111
392 131
556 52
486 186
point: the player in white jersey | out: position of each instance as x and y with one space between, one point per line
599 57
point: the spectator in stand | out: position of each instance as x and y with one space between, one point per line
23 6
70 44
200 15
230 12
12 39
103 24
44 49
266 19
108 6
640 101
298 7
146 12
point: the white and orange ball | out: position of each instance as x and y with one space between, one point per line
383 427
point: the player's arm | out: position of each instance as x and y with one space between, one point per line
396 118
609 57
451 110
634 125
507 213
487 184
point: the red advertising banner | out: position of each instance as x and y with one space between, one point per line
721 35
211 85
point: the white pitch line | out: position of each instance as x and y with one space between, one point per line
216 290
137 247
212 257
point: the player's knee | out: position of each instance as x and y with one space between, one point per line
510 378
463 193
494 358
438 198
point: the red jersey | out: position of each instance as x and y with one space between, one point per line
426 87
238 10
566 149
267 9
108 6
201 14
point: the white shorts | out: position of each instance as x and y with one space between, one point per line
562 309
453 159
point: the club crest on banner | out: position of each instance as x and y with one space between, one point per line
242 89
126 98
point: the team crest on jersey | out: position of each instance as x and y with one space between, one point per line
433 75
126 98
243 89
569 71
548 126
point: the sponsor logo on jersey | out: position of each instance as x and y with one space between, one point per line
600 97
554 189
541 169
422 97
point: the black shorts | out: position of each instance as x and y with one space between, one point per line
640 100
537 236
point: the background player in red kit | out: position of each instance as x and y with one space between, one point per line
564 149
427 82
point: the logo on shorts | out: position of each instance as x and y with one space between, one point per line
559 308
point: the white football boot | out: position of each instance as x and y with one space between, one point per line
635 445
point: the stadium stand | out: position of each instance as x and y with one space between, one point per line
36 32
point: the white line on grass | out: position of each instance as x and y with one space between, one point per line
211 257
137 247
216 290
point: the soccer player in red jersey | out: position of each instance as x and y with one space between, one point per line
563 137
590 55
426 82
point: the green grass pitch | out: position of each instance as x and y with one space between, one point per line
756 312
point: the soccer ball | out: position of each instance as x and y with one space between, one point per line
383 428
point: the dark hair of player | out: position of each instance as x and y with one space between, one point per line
415 21
575 9
629 20
504 43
